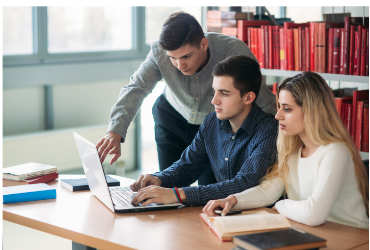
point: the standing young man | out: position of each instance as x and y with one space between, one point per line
238 142
184 57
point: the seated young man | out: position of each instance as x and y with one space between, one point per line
238 141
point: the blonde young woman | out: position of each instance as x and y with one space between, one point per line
318 165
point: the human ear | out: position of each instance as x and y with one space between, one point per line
204 44
249 97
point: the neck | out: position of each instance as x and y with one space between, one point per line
238 120
206 55
309 147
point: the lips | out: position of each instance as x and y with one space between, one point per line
184 71
218 110
282 126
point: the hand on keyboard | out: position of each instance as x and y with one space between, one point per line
144 181
154 194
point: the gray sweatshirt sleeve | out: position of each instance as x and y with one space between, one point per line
142 82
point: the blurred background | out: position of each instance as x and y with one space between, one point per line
63 69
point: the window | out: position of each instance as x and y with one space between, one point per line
155 17
81 29
17 30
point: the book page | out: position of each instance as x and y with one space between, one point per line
250 222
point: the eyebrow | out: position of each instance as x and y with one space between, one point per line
284 104
221 90
181 56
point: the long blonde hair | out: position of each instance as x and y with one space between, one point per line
322 126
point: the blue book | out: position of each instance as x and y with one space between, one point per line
32 192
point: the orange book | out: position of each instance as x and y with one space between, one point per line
296 50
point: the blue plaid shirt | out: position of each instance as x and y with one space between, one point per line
238 160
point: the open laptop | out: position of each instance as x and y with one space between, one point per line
117 199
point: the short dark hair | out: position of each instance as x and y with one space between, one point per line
180 29
245 72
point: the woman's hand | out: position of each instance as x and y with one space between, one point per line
225 204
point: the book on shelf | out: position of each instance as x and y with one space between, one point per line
39 179
351 48
81 183
367 54
297 55
358 95
360 118
27 171
243 26
365 129
288 239
33 192
282 49
363 51
225 227
290 49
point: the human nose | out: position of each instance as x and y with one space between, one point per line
279 115
215 100
181 65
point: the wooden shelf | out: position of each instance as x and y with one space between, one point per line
326 76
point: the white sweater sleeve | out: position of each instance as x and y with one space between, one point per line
262 195
332 173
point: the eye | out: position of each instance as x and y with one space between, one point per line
287 110
224 94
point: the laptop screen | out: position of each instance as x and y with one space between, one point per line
93 170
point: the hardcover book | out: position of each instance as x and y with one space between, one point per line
359 123
336 51
351 48
365 129
358 95
225 227
39 179
288 239
27 171
31 192
81 184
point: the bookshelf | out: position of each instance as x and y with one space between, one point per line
326 76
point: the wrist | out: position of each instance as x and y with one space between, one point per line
182 194
232 199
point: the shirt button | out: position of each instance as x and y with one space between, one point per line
193 112
196 77
191 119
196 98
233 137
226 159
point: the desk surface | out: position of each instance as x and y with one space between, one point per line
82 218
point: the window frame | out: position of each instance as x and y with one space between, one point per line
40 44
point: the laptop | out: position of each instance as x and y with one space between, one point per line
117 199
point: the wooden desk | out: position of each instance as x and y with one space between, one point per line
82 218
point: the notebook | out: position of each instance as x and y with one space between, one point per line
117 199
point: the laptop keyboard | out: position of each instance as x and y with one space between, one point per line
123 195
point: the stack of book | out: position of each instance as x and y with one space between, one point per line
29 173
226 22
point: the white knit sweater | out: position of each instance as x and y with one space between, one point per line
322 187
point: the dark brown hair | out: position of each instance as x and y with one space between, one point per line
180 29
245 72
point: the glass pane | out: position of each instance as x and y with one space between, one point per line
155 17
17 30
78 29
300 14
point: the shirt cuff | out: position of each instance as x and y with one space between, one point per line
192 196
164 182
119 129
